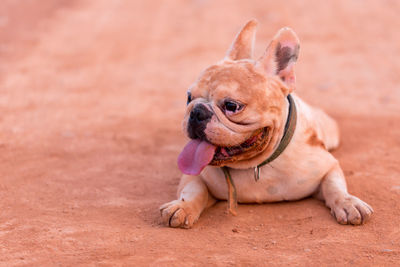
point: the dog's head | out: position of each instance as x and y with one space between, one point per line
235 109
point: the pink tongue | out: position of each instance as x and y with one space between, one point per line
195 156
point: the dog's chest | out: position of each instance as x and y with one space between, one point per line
272 186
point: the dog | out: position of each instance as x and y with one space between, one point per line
253 140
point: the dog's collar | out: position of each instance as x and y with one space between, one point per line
290 127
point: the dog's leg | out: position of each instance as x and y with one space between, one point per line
347 209
193 198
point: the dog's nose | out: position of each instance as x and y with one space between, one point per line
198 119
200 113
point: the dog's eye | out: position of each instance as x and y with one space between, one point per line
189 98
232 106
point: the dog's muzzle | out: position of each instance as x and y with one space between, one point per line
198 119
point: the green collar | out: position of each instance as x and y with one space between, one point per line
290 127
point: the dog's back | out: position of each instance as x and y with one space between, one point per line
322 127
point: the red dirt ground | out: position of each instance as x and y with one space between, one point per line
92 97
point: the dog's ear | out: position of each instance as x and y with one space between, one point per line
242 46
280 57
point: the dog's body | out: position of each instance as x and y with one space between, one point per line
285 178
232 101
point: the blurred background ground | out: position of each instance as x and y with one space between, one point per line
91 99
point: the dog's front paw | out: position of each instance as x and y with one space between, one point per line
351 210
178 213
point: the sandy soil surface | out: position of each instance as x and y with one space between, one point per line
91 98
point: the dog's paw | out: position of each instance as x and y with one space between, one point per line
178 213
351 210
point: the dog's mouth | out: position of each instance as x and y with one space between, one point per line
224 155
197 154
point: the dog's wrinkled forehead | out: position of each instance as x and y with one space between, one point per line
229 78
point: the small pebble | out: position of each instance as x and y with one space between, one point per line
387 250
235 230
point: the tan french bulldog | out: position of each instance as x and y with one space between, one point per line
242 115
